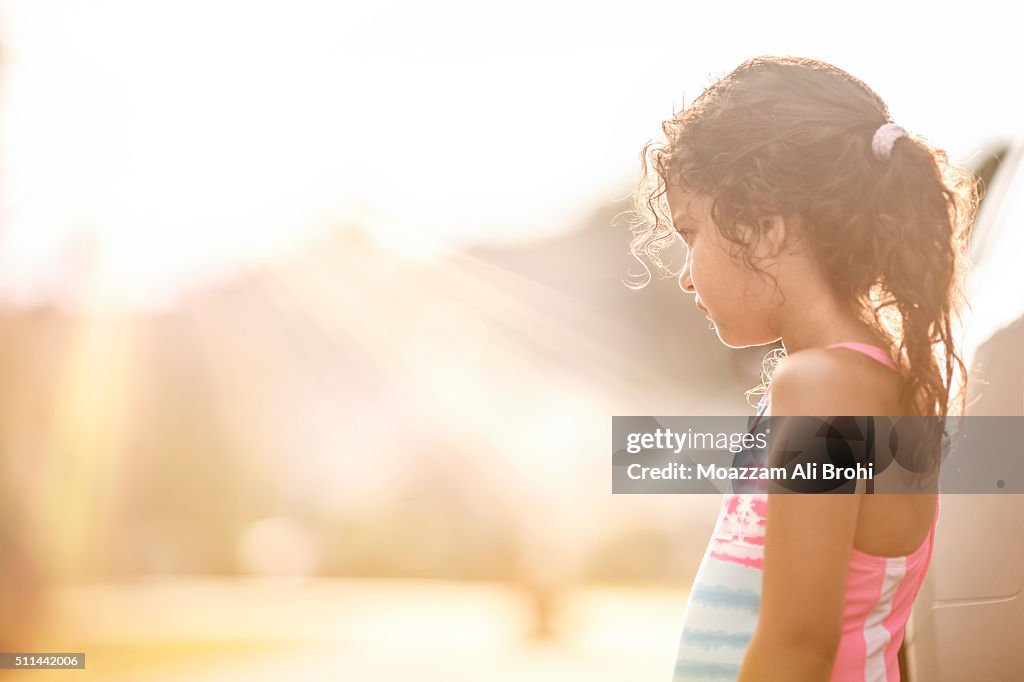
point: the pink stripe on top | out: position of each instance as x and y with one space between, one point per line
880 594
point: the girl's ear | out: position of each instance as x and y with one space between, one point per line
773 234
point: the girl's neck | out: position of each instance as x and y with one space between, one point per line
822 321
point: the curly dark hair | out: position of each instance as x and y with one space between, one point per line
792 136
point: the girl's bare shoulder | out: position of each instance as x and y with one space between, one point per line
819 382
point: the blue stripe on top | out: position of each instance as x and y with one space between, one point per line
726 597
714 639
687 669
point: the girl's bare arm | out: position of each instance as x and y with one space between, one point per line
808 541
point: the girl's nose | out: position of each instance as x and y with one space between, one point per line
685 283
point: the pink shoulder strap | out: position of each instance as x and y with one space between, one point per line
873 352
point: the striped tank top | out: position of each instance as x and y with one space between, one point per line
725 599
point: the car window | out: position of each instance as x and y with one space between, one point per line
996 284
985 164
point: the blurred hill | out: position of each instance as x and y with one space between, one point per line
353 412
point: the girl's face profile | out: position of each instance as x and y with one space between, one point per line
734 298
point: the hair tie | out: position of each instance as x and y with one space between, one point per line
885 136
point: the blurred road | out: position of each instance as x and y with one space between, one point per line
206 630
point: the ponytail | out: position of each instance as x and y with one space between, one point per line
917 218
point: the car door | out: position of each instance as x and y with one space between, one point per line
969 615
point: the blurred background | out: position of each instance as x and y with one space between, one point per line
312 323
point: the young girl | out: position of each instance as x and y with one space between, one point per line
811 218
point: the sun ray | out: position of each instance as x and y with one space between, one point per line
92 419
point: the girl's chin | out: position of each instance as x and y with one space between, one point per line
733 340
